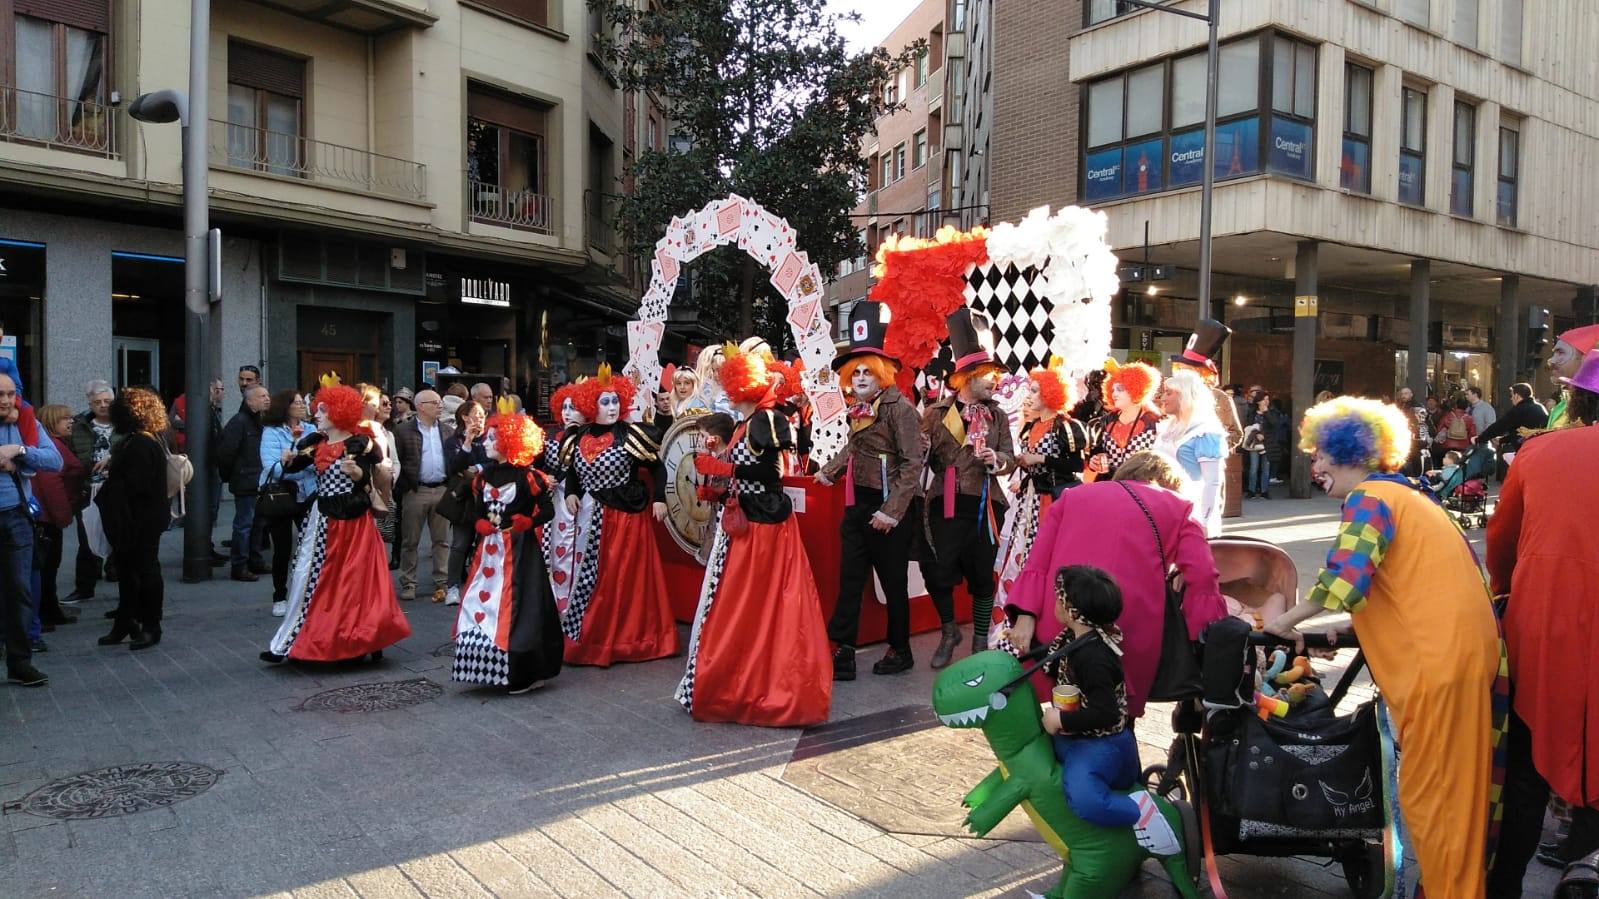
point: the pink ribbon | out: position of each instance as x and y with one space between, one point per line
949 492
849 482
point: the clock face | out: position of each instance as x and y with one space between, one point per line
687 517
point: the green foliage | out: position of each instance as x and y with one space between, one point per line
771 105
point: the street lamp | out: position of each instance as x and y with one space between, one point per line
1208 183
160 108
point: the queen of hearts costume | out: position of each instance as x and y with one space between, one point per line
555 462
507 632
1129 391
618 610
759 652
341 600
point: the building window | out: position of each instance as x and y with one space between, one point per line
1144 128
891 92
935 199
1510 31
1096 11
919 149
957 89
1415 11
921 224
899 162
1354 170
1465 23
952 165
921 68
1460 175
505 160
1293 105
888 171
59 75
1509 172
860 261
266 110
1412 147
535 11
957 16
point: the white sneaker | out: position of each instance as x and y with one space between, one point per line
1153 831
452 597
280 608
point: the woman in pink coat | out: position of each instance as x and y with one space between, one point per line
1103 524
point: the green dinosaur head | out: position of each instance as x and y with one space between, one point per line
966 694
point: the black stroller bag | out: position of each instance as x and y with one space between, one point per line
1306 775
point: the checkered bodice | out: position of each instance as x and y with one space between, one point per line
333 481
1048 446
742 453
610 469
552 458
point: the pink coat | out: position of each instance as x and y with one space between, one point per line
1099 524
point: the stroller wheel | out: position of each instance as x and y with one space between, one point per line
1155 775
1363 870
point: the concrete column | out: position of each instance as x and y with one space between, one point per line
1420 318
1306 261
1507 340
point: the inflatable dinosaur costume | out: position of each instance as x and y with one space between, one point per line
1101 860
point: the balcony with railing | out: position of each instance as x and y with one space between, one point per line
253 149
520 209
57 122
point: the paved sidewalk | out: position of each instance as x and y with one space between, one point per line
598 785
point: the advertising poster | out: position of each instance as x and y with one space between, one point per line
1290 147
1141 166
1102 175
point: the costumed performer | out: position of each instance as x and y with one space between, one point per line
1132 424
559 538
1409 579
1136 528
880 468
758 653
1093 739
1050 458
1199 355
1192 435
1564 361
618 610
969 450
1542 552
794 405
508 632
341 601
712 397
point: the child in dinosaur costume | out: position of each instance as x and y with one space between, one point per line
990 690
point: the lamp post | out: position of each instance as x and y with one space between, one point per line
189 111
1208 182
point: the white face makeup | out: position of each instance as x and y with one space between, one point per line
1032 403
1120 399
322 422
1337 481
491 447
610 409
864 384
569 413
1564 360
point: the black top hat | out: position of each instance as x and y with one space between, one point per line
1204 345
965 330
868 325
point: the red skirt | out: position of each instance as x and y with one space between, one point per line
354 610
629 617
763 655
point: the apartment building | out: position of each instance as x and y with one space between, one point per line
1409 175
905 181
403 186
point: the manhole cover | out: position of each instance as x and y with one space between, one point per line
120 790
901 771
446 651
379 697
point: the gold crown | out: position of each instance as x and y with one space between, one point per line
505 406
330 379
603 373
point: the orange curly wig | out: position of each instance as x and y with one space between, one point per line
747 377
343 405
517 437
1056 389
559 397
587 395
790 385
883 369
1140 380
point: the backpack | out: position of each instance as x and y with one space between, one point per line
180 471
1457 428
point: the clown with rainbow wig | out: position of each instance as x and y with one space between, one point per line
1410 582
508 633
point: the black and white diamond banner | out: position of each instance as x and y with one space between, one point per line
1020 318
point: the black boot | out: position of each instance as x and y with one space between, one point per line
894 662
844 663
151 637
946 645
120 632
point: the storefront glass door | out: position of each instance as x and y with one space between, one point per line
138 362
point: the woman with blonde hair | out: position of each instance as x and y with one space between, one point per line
1194 436
708 369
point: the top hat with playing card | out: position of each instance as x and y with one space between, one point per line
1204 345
967 343
868 325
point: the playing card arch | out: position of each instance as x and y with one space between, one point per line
769 240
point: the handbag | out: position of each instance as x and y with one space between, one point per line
41 533
455 506
278 497
1177 673
734 522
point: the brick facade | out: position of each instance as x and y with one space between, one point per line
1033 142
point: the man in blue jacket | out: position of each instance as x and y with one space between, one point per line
23 451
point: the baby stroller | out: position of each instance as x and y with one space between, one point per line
1309 783
1465 491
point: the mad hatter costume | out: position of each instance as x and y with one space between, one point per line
1049 459
880 468
1200 354
969 449
508 633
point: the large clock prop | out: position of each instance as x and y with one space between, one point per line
689 519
